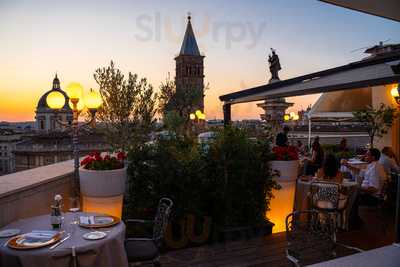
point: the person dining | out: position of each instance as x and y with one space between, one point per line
343 145
300 147
389 161
373 176
330 170
312 165
282 137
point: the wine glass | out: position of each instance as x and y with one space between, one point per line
74 207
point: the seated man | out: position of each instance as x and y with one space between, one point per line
373 176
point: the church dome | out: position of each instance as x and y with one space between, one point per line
42 104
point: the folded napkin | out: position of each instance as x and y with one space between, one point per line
86 220
38 236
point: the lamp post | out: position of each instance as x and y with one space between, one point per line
291 117
196 118
395 92
92 101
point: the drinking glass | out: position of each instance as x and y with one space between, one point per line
74 207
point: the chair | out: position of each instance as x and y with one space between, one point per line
326 198
147 249
311 239
382 200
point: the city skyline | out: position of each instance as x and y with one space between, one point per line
73 39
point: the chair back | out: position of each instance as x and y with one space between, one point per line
309 235
161 219
325 195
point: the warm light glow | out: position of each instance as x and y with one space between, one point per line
281 205
80 105
286 117
104 205
198 113
93 100
74 91
395 91
296 117
292 114
192 116
202 116
55 100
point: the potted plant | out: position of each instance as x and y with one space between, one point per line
285 161
102 182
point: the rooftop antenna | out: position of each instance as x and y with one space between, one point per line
365 47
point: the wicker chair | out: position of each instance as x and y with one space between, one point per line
147 249
311 239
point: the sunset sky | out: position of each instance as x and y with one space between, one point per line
73 38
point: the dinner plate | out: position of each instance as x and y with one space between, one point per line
18 242
9 232
101 221
94 235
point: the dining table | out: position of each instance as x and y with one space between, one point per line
74 251
303 197
356 163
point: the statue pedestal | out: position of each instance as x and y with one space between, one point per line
273 80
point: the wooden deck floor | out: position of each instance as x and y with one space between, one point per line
270 250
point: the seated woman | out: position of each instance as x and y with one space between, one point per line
311 166
330 170
330 173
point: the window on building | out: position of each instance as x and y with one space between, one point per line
41 125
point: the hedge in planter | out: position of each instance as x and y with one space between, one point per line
229 181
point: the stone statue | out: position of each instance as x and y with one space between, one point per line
274 66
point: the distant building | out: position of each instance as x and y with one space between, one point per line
189 72
48 148
382 50
45 117
51 142
8 140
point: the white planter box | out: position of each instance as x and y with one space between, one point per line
288 169
102 183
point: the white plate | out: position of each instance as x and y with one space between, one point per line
9 232
94 235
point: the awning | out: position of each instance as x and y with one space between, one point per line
341 104
382 8
360 74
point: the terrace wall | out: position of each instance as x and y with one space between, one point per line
31 192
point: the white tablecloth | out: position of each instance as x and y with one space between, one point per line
108 251
388 256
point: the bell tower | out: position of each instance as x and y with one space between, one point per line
189 72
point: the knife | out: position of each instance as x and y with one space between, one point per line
59 242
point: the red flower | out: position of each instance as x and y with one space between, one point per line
121 155
107 157
285 153
87 161
98 157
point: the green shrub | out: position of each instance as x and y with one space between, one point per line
229 180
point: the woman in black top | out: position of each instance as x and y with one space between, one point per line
317 158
